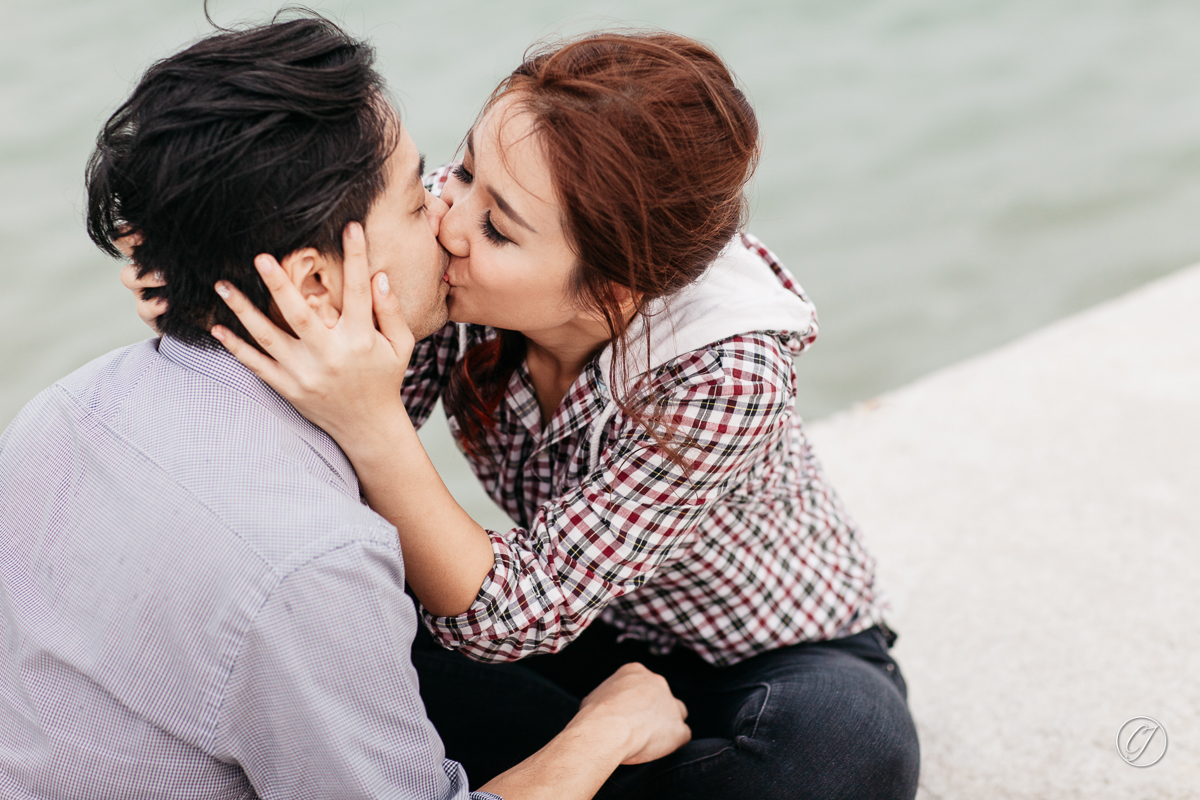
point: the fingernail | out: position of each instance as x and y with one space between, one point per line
218 334
223 290
158 276
355 230
384 286
265 264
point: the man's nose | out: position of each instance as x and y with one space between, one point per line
435 211
450 229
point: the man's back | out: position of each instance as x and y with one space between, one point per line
194 601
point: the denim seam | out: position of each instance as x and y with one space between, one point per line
732 742
762 708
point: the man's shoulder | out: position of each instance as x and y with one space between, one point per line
229 447
117 371
149 512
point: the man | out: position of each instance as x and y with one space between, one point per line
194 602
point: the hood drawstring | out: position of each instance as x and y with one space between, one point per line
462 338
597 432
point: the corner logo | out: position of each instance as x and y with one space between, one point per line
1142 742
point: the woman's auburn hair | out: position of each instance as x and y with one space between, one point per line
649 143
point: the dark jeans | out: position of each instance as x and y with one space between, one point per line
814 720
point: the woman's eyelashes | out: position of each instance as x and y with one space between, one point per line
489 230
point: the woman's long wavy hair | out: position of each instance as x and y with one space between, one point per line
650 144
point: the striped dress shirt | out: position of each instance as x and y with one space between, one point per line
195 603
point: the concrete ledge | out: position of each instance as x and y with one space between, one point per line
1036 515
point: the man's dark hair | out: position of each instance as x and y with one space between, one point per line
261 140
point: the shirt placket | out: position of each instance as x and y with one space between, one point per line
553 452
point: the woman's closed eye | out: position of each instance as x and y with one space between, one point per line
489 230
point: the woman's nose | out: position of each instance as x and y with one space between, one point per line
452 229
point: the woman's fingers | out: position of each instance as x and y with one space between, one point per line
129 278
261 365
289 301
356 276
131 281
346 378
268 335
127 242
391 320
149 309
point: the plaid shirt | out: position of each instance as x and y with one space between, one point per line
746 551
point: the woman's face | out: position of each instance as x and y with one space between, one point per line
510 261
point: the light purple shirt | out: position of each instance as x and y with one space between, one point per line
194 602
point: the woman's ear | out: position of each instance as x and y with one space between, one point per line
319 279
627 300
626 303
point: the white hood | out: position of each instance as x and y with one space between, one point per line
739 293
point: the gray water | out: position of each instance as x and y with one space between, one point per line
942 176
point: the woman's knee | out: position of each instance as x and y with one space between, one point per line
839 728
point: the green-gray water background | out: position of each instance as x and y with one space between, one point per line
942 176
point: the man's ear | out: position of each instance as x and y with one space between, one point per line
319 279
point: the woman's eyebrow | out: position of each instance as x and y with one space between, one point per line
509 210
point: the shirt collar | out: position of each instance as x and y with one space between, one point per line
586 398
218 364
214 361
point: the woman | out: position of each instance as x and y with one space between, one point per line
621 380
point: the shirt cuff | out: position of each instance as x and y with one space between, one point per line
491 615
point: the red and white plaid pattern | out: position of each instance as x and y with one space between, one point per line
747 551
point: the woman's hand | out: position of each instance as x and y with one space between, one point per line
345 378
149 309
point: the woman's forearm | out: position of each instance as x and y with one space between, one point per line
447 555
347 378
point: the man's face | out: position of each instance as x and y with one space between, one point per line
401 232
